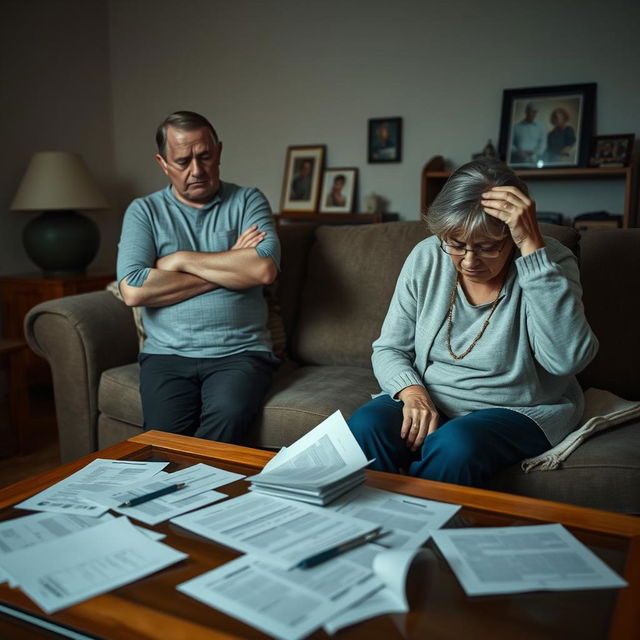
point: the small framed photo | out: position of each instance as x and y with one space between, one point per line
385 140
611 151
338 190
302 174
547 127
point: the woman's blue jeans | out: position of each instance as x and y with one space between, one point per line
467 450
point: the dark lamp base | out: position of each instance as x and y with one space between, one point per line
61 243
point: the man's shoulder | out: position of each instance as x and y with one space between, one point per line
152 200
230 191
233 194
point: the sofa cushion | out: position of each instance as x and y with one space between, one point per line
603 473
351 275
119 394
302 398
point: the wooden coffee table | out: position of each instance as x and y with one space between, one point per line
152 609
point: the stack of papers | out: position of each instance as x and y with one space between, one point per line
318 468
72 550
90 561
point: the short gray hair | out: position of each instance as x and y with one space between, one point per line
186 121
458 209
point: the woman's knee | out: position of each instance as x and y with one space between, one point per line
372 418
453 454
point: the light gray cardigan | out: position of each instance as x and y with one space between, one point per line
536 342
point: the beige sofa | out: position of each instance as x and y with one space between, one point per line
332 296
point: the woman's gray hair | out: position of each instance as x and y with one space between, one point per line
458 209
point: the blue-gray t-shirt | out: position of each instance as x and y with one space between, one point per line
216 323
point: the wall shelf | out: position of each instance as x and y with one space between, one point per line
434 176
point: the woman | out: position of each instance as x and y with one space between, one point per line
562 138
484 335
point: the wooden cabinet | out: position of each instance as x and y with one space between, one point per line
434 176
19 293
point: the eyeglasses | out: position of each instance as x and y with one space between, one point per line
453 250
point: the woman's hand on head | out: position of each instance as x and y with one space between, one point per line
420 416
518 212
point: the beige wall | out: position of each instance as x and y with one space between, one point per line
54 76
273 73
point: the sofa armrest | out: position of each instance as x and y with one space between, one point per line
80 336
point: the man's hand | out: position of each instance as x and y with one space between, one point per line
420 416
518 212
249 239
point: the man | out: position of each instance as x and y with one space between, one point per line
195 257
529 138
301 183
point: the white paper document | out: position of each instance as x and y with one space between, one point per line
324 455
408 519
292 604
197 478
78 566
517 559
73 494
159 510
280 531
37 528
391 568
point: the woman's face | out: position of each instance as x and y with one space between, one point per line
558 119
474 266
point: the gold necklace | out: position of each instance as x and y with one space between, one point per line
452 302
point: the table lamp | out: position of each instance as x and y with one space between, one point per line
60 241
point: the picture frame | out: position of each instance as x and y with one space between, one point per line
302 176
547 127
611 151
384 140
339 187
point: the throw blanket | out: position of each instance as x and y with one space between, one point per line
601 411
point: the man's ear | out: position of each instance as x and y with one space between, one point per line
219 151
163 163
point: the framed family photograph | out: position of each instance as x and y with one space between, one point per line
611 151
338 190
302 176
385 140
546 127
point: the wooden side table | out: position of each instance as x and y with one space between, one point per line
19 293
14 353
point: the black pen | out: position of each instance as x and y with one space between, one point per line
152 496
323 556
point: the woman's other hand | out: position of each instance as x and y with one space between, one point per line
518 212
420 416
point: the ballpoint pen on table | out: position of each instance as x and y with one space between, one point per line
152 496
323 556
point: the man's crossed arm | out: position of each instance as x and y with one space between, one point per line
185 274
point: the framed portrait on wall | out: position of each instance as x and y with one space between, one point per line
547 127
338 190
385 140
302 175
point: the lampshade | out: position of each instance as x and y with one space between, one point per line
61 241
57 180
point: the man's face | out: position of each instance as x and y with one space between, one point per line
192 164
305 169
531 114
